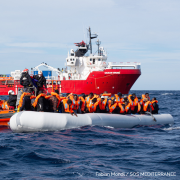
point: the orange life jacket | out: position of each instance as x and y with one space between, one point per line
155 101
127 107
139 107
47 97
145 107
121 108
88 100
92 107
133 103
37 98
108 94
118 100
32 97
68 108
5 105
102 105
112 107
58 97
21 98
143 96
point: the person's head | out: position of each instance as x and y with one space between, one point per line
69 102
134 95
83 95
125 98
102 98
147 95
91 95
139 99
105 92
94 100
40 73
153 99
119 94
11 92
75 97
126 103
26 70
132 98
145 100
56 91
48 94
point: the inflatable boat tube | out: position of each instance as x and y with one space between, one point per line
29 121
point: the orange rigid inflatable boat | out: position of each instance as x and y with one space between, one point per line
5 116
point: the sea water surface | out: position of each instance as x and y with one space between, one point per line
97 152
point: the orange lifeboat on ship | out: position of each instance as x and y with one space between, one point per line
5 116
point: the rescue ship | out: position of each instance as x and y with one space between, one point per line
85 72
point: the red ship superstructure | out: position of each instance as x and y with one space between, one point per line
83 73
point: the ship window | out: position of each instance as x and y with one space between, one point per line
72 62
93 61
90 59
91 82
70 59
72 54
67 60
99 59
73 59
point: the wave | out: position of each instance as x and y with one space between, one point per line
172 128
165 94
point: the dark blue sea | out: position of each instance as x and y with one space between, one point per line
97 152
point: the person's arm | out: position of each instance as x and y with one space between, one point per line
30 80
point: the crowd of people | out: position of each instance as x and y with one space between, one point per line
74 104
26 99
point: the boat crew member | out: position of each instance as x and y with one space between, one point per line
41 81
155 105
25 80
12 100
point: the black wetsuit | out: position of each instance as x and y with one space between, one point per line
25 80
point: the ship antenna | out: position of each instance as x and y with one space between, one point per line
98 44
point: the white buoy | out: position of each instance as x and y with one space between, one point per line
30 121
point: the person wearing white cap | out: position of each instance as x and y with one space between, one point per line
41 81
12 100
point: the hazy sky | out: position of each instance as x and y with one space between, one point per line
142 31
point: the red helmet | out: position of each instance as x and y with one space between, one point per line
25 70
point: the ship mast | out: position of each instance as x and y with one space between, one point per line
91 36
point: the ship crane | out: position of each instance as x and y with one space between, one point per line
49 67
